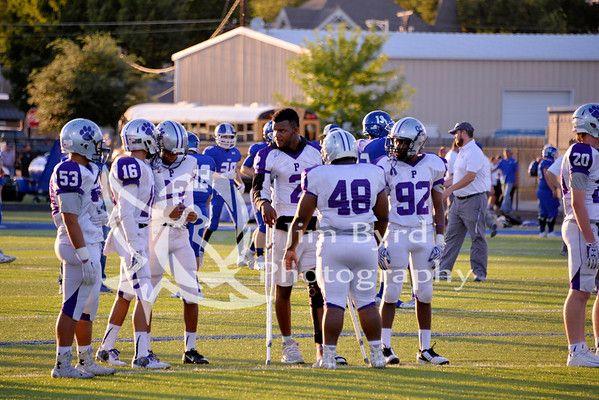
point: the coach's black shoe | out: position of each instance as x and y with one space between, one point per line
390 357
193 357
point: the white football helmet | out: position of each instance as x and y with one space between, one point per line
225 135
82 136
586 119
337 144
406 139
139 134
172 136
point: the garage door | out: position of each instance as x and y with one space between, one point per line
528 109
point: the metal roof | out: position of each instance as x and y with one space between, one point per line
191 112
8 112
467 46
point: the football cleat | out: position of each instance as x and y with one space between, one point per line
429 356
444 275
327 361
542 235
493 230
410 304
377 359
193 357
155 361
390 356
259 265
87 364
110 357
479 278
5 258
340 360
64 369
105 289
583 358
291 353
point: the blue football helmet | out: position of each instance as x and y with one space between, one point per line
549 151
268 130
193 143
377 124
225 135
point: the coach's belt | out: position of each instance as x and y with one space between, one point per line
141 226
470 195
283 223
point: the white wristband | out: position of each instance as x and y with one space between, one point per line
82 254
440 238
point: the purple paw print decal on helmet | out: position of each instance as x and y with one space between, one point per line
594 110
86 132
147 128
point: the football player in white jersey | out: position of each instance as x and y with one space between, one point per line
416 227
78 246
580 177
132 185
353 215
276 193
169 240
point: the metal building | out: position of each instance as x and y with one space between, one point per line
502 83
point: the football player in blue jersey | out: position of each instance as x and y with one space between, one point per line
376 125
247 169
548 203
201 194
227 186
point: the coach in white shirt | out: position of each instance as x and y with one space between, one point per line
470 184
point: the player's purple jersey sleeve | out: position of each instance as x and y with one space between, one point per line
68 178
252 152
307 182
581 159
128 171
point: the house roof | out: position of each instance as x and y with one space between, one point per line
466 46
312 13
439 46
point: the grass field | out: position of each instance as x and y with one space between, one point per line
504 337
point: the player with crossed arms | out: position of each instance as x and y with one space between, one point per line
78 246
580 177
353 211
415 237
133 187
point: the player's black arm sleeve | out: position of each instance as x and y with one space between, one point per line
258 188
381 212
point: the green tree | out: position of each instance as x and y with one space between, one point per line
543 16
88 79
344 75
426 9
269 9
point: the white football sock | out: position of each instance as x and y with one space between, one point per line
386 336
60 350
110 337
286 339
576 347
374 344
424 338
190 340
141 344
83 349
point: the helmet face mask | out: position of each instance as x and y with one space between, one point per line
172 141
225 136
82 136
406 139
268 132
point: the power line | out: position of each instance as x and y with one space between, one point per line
225 20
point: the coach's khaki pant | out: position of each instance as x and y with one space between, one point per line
467 215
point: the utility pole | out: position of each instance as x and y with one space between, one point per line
243 12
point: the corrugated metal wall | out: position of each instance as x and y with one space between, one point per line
238 70
245 70
448 91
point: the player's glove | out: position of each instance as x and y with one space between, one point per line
593 255
88 270
384 259
438 249
137 261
